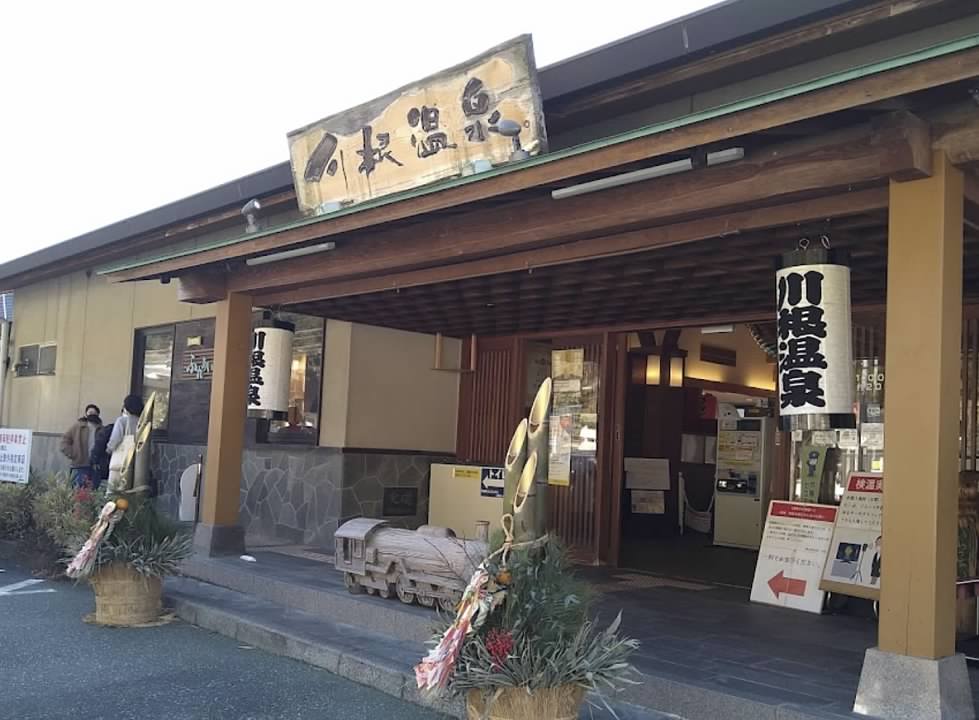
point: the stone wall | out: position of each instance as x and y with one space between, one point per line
300 495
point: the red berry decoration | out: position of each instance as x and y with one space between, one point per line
500 644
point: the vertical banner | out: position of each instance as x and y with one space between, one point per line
813 459
271 368
815 345
853 562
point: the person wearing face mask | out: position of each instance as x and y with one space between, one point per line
77 444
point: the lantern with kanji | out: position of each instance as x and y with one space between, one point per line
815 348
271 369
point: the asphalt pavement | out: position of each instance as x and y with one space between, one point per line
54 665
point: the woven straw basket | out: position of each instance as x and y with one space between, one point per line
124 597
562 703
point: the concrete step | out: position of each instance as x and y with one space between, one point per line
368 657
316 588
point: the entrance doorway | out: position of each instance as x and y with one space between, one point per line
699 453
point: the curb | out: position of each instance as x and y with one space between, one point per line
382 676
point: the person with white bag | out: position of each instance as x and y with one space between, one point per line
123 438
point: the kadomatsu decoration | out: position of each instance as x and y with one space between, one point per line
522 644
131 547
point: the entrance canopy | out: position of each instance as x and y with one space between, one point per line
506 253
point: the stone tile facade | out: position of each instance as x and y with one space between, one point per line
300 495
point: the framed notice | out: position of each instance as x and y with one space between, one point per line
648 502
15 455
793 549
853 561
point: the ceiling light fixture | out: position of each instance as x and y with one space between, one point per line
671 168
288 254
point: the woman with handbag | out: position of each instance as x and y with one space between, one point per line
123 438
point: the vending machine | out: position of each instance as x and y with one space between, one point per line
745 452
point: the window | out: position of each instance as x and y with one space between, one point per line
47 359
153 370
301 422
27 359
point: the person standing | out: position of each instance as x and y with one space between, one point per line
77 444
132 408
126 425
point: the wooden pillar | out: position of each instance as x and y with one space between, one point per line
924 325
218 531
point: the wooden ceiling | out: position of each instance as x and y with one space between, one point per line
704 282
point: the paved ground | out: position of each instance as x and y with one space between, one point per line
53 665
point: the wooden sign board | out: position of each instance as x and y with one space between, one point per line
790 560
444 126
853 561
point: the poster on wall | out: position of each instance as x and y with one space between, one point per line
271 370
793 549
15 455
567 373
813 460
815 349
853 561
648 502
559 462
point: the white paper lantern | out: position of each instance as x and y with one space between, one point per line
815 344
271 369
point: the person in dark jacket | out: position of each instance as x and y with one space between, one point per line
77 444
100 456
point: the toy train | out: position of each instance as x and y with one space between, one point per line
429 565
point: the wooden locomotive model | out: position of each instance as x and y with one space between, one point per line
430 565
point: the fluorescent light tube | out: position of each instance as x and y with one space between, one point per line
717 329
287 254
635 176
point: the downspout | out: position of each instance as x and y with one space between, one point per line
4 343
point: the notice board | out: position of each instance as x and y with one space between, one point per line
793 550
853 560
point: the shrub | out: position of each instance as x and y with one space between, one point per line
15 511
65 513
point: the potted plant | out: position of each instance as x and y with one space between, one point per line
523 644
130 550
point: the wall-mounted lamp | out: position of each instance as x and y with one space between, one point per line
651 368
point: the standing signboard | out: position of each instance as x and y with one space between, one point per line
853 561
15 455
793 550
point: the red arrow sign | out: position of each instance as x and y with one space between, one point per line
790 586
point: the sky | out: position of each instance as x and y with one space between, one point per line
114 108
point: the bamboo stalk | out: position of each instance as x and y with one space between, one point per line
525 503
537 443
516 456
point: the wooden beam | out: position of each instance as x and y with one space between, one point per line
959 140
907 79
848 159
758 53
202 286
727 226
